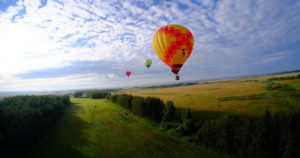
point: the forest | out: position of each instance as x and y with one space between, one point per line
26 119
93 94
237 135
150 107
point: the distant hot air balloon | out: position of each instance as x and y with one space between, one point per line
128 73
173 44
148 63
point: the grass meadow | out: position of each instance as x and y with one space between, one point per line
99 128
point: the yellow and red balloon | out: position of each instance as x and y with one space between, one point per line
173 44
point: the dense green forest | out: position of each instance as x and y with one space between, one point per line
97 94
270 136
26 119
267 136
150 107
93 94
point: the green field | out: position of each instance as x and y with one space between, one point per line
98 128
213 98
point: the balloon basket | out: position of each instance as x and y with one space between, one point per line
177 77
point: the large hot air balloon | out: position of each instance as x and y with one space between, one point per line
173 44
148 63
128 73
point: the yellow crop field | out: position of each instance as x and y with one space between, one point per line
242 95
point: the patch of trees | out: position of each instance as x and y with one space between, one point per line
149 107
272 86
25 119
97 94
172 85
284 72
187 126
246 97
169 112
250 81
270 136
77 94
284 78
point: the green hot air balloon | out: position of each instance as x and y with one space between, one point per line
148 63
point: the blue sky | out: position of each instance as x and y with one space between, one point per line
75 44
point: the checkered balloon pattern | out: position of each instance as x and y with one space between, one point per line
173 44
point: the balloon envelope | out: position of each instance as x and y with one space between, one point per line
128 73
148 63
173 44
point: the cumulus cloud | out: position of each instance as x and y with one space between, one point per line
41 36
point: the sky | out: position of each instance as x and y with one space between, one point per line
81 44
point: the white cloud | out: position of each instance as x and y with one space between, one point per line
226 32
66 82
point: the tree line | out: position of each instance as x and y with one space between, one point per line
94 94
77 94
268 136
273 86
25 119
284 78
149 107
172 85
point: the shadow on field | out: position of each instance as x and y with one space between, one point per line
65 139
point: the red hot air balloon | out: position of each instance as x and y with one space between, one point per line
128 73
